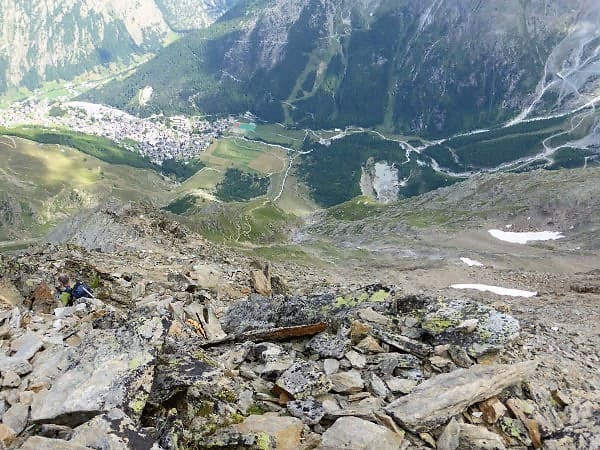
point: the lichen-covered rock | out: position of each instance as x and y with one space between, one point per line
473 326
111 431
328 346
301 380
111 369
285 431
308 411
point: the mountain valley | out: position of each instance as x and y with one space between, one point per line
312 224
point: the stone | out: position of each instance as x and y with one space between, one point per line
101 373
301 380
7 435
327 345
370 315
401 385
475 437
347 382
39 386
369 345
26 346
450 437
18 365
378 387
475 327
26 398
436 400
42 443
403 343
260 283
63 313
11 379
286 431
562 399
357 360
9 294
459 356
387 363
357 434
492 410
308 411
16 417
113 430
42 300
205 315
359 331
331 366
441 364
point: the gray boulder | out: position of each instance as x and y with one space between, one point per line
357 434
110 369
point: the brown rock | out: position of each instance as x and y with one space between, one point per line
7 435
285 430
561 398
42 443
492 410
522 409
370 345
42 300
359 331
260 282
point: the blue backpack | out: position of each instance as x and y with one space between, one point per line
81 290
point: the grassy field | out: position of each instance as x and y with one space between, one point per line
42 184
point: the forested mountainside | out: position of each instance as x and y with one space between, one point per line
59 39
428 67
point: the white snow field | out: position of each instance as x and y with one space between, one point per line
495 290
524 238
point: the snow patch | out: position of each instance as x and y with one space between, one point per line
524 238
471 262
495 290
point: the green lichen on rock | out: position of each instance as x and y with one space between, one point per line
227 395
202 356
437 325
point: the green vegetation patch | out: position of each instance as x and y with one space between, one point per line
241 186
104 149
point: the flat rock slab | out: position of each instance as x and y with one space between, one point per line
42 443
434 402
26 346
103 373
348 382
357 434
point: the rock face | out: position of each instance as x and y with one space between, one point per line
435 401
110 369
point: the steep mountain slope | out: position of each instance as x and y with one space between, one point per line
41 185
427 67
59 39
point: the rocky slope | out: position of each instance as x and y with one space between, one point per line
426 67
176 352
60 39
